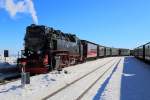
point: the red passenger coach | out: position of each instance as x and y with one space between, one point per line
90 50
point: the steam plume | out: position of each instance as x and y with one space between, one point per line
21 6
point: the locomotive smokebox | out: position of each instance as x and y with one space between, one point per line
35 38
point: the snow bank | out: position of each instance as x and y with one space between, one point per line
10 62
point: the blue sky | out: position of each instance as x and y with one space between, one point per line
114 23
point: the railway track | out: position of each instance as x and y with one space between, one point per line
81 95
2 82
75 81
10 79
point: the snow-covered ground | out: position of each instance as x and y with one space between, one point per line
135 81
9 63
10 60
43 85
128 81
79 87
8 67
98 90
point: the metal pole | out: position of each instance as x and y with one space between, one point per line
25 76
18 54
22 75
5 59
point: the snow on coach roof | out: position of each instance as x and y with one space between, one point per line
142 45
147 43
89 42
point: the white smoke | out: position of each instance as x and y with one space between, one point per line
21 6
32 11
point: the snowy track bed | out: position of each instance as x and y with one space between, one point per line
43 85
8 69
127 79
97 91
78 89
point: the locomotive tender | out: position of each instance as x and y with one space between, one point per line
46 49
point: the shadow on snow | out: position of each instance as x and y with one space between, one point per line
103 86
135 82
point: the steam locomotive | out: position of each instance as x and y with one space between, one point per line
46 49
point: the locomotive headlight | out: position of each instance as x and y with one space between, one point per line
39 52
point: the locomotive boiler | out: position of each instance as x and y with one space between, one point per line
46 49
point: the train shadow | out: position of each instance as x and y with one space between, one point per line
103 86
14 87
135 81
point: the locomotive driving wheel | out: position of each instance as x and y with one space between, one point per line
63 61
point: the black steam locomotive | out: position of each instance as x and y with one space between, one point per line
47 49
